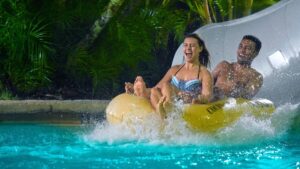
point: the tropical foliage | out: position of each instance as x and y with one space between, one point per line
25 49
88 49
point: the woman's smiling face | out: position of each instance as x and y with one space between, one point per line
191 49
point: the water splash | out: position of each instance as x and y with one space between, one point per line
247 130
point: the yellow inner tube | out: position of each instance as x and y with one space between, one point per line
126 106
201 117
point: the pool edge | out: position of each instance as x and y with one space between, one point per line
53 111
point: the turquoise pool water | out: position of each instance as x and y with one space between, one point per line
249 143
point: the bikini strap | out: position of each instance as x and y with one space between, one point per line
199 71
179 69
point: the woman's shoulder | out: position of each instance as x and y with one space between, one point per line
204 72
175 67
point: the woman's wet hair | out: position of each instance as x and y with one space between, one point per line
204 54
255 40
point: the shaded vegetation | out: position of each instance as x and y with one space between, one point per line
46 49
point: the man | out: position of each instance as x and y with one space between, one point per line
238 79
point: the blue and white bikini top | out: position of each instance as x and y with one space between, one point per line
193 86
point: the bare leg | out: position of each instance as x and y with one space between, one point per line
139 87
155 97
161 99
168 91
160 108
157 101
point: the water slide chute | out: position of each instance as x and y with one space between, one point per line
278 28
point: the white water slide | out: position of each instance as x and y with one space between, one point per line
278 28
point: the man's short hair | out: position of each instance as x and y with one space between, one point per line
255 40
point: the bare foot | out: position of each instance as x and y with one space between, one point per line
139 87
160 108
128 88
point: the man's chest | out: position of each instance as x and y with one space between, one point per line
236 76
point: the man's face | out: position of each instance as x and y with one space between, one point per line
246 52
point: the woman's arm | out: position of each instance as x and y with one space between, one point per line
167 77
207 87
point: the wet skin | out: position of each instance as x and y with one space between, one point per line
238 79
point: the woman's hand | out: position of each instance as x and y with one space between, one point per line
186 97
200 100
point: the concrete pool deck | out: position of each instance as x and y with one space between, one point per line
53 111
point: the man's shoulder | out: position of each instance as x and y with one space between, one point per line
220 67
224 64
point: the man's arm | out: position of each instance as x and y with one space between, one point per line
216 72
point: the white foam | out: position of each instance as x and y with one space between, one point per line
231 103
249 129
246 130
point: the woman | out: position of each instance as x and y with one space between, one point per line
191 81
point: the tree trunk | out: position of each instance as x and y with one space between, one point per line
230 10
213 16
248 6
100 23
207 13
